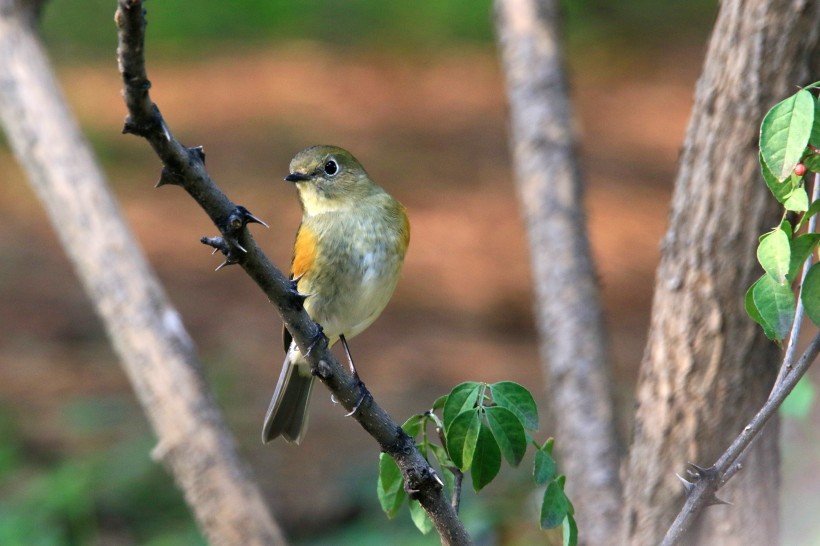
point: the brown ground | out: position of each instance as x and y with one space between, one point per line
429 130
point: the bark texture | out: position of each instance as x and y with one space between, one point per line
707 367
550 186
146 331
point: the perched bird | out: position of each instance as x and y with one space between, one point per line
347 259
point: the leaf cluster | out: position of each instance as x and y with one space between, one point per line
480 425
789 153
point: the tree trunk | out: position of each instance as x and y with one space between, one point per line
571 333
146 331
707 367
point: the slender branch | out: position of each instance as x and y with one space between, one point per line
458 475
709 481
185 167
702 492
788 359
794 336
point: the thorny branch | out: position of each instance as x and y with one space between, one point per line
185 167
702 490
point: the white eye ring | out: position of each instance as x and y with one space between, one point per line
331 168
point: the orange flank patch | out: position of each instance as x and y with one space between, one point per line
405 228
304 252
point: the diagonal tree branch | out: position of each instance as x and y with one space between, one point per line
155 350
185 167
702 492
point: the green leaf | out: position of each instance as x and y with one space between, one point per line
801 248
813 209
518 400
786 226
439 403
419 517
555 506
773 253
390 487
810 294
413 425
462 437
785 132
548 445
508 432
814 138
812 161
798 403
570 531
780 190
462 397
752 310
486 459
449 480
776 305
798 201
544 470
441 454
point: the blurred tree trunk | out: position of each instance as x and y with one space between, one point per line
146 331
571 333
708 367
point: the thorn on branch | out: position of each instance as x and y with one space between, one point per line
198 153
241 216
700 473
421 479
168 177
714 500
221 245
231 229
296 298
687 485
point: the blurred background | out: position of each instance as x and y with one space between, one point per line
414 90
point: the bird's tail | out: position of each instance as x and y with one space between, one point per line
288 411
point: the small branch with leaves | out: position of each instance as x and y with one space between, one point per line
480 423
789 157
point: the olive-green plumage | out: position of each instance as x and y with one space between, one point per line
348 256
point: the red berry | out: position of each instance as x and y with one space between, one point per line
800 169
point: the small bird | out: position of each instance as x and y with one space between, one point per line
347 260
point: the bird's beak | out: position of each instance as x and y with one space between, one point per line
297 177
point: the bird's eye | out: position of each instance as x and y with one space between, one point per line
331 168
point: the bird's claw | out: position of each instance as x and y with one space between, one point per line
365 394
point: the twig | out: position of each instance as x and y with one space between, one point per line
701 493
794 336
788 359
458 475
185 167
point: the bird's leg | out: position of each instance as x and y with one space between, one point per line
349 358
365 392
